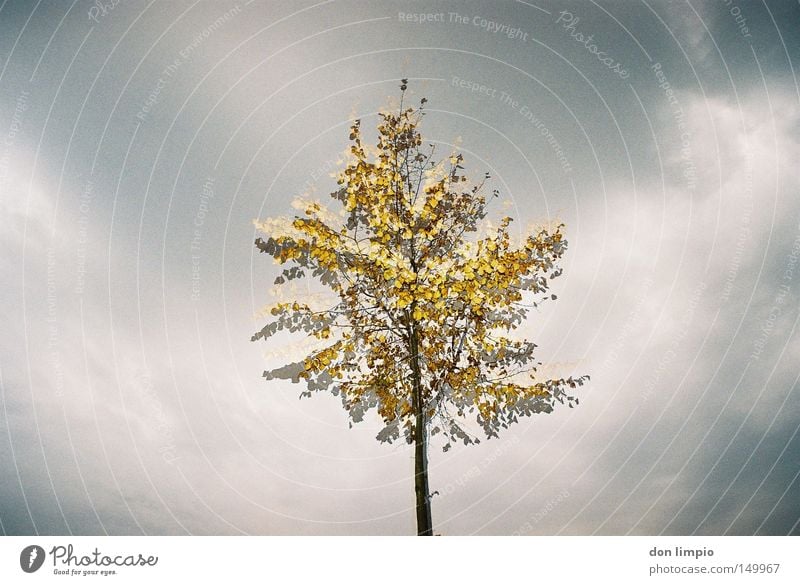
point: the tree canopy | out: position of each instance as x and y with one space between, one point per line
425 298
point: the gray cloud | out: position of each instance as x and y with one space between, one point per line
132 400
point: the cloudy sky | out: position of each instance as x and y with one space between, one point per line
139 141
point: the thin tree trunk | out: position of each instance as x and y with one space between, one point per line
424 522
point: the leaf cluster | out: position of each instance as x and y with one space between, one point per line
409 268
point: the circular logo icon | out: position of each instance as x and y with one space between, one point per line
31 558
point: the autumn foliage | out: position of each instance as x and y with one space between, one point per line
426 298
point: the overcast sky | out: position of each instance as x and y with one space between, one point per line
138 143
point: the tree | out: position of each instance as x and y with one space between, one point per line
424 304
